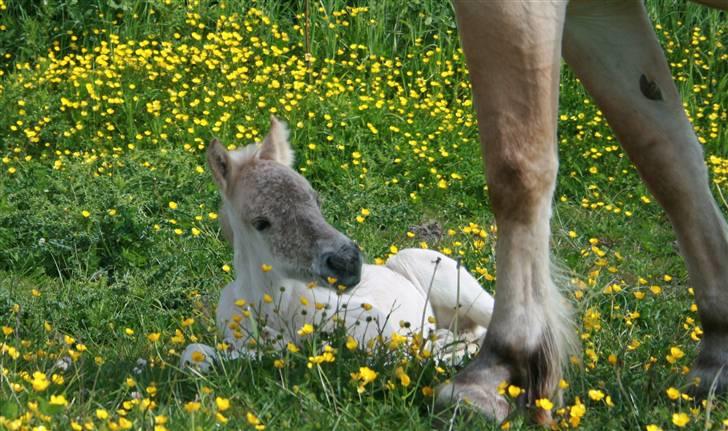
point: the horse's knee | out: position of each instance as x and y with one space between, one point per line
521 182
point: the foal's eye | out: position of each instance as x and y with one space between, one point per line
261 223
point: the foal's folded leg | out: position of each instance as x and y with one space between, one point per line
460 303
450 348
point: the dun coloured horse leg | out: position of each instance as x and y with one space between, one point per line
612 48
513 50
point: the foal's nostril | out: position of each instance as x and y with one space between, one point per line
344 265
336 263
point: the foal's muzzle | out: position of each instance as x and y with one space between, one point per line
344 265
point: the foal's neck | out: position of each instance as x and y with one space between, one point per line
257 273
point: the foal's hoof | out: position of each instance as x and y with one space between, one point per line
198 356
453 349
478 390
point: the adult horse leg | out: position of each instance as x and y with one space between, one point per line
612 48
513 50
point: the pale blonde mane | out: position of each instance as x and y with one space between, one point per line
246 154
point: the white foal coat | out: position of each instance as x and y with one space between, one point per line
399 297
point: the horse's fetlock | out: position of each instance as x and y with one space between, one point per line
536 367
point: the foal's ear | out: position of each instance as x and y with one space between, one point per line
219 161
275 146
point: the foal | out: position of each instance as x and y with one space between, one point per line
291 266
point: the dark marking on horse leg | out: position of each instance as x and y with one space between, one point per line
649 88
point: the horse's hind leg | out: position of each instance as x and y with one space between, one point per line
513 52
613 50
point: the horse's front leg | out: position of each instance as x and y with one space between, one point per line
513 52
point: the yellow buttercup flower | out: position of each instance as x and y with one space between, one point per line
125 423
596 394
58 400
351 343
404 379
514 391
673 393
544 403
292 348
254 421
40 382
365 376
306 329
680 419
192 406
222 404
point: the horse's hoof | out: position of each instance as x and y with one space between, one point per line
709 374
543 418
707 379
478 390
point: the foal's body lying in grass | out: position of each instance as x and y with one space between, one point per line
292 268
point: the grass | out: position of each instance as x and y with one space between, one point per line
105 111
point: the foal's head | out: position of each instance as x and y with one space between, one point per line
270 211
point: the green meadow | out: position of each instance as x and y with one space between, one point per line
112 260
